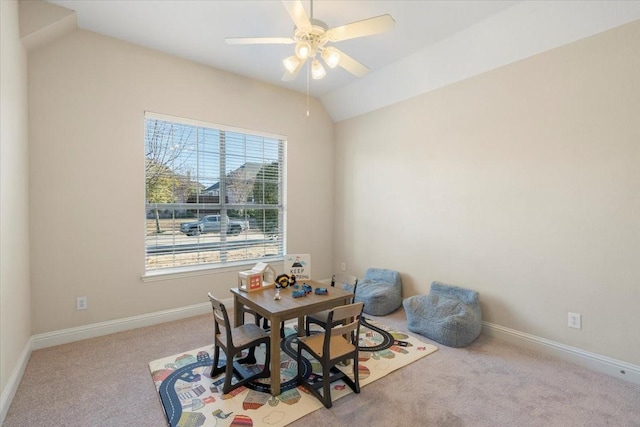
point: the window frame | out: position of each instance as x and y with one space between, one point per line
199 268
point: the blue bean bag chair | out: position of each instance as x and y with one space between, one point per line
380 290
449 315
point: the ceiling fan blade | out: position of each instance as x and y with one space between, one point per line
366 27
287 77
259 40
297 13
351 65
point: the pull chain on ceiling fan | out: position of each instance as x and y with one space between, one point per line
312 37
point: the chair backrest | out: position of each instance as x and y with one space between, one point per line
345 281
220 316
351 312
355 287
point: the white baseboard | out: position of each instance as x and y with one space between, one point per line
597 362
93 330
14 380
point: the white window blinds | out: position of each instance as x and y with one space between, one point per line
214 195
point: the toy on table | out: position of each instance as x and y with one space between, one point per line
282 281
299 293
259 277
321 291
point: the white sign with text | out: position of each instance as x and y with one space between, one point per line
299 265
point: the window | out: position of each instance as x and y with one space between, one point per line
214 195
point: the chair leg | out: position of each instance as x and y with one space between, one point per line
215 371
266 372
326 387
300 379
228 376
250 358
356 378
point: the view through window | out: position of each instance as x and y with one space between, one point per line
214 195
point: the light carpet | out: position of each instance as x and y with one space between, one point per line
190 397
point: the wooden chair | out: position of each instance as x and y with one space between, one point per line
233 341
257 318
337 344
320 318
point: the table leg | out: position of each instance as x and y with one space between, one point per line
301 331
275 356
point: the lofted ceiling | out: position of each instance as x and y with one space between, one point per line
196 30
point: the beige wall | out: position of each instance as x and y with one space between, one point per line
522 183
15 305
87 98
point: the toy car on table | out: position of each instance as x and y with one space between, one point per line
321 291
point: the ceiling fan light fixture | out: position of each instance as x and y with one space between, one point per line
331 57
303 49
317 70
310 38
291 63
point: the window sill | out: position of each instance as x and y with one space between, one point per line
179 273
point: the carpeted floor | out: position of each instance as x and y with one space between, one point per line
105 382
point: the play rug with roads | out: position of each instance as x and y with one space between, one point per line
190 397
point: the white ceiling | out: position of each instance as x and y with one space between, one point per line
195 30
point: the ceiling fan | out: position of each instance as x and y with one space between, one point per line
312 38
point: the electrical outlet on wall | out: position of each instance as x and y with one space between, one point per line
81 303
343 266
575 320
